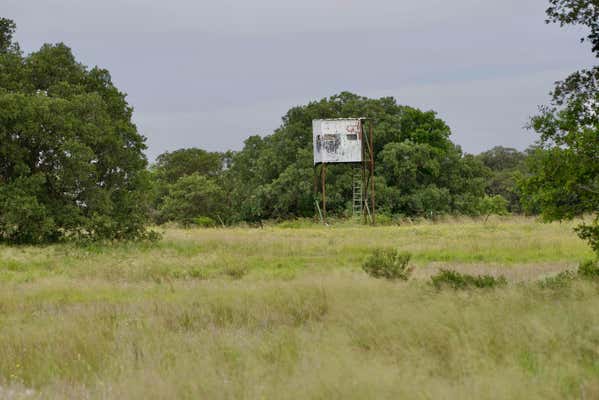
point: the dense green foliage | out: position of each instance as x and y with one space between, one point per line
564 179
191 197
171 166
71 160
507 165
420 172
186 186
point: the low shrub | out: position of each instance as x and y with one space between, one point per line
559 281
456 280
389 264
586 270
589 269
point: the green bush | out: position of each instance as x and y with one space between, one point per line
389 264
589 269
455 280
489 205
189 198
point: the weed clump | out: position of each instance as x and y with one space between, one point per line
390 264
456 280
559 281
235 271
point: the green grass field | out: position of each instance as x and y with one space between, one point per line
286 312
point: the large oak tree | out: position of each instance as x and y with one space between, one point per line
71 160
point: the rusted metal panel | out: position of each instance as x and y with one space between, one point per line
337 140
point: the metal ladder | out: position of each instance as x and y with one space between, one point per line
357 203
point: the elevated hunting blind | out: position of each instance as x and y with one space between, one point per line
345 141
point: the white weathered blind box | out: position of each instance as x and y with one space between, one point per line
337 140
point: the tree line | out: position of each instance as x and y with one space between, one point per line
72 163
420 172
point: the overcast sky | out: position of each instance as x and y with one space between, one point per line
210 73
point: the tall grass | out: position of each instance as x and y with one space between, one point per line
278 252
178 320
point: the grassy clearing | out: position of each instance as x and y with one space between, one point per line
288 313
